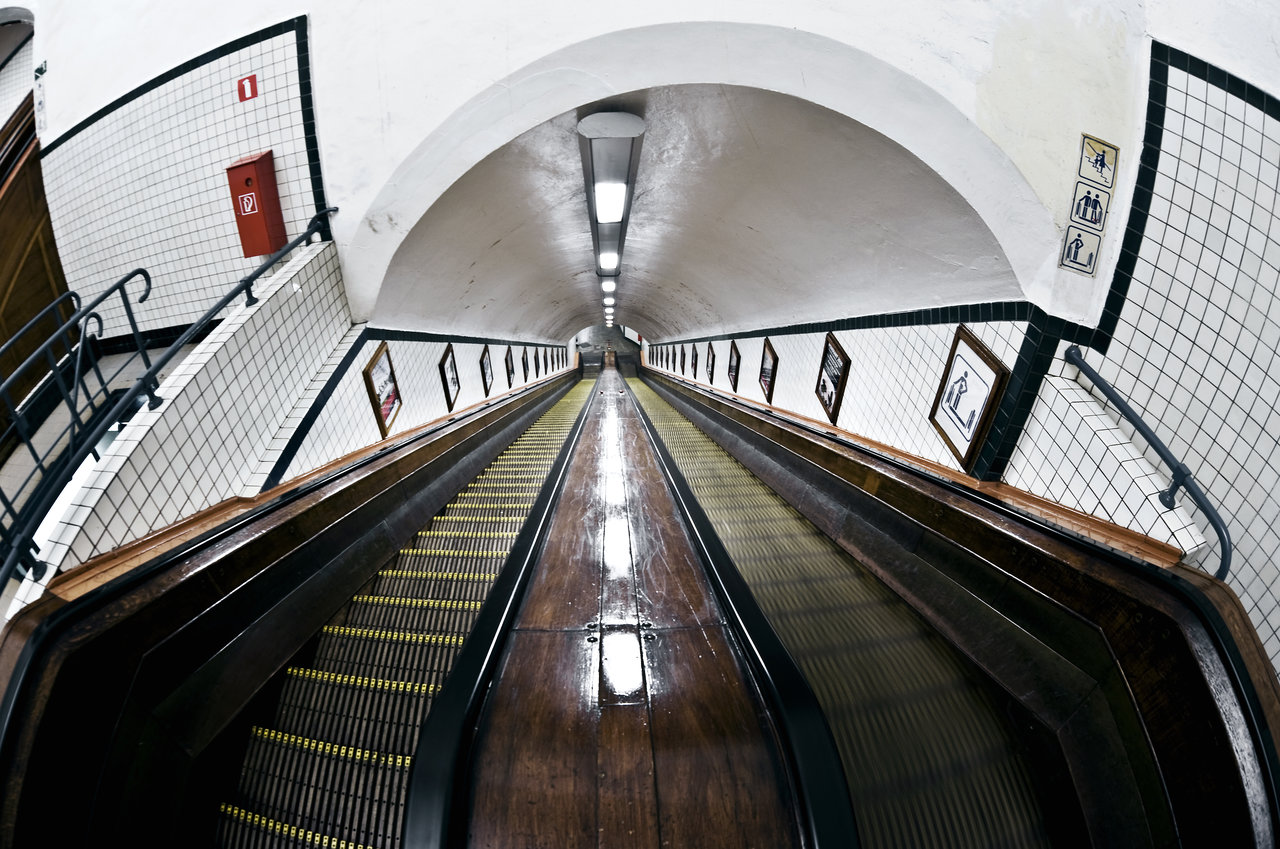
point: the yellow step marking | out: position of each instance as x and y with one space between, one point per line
447 576
393 636
284 829
444 551
364 682
430 603
333 750
468 534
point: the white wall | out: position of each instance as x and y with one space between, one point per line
980 90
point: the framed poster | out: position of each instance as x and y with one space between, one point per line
510 362
682 359
486 371
449 377
384 392
546 369
537 365
973 379
768 370
711 363
735 359
833 373
693 361
524 362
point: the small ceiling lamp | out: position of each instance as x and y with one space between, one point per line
608 302
608 284
610 145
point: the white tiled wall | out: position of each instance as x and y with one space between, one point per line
223 406
346 422
15 80
145 186
1196 347
1075 452
893 376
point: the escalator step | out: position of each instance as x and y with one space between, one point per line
354 715
239 826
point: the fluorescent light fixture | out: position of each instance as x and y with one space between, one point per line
608 302
609 310
608 284
610 199
608 260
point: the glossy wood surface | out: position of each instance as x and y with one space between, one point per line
621 716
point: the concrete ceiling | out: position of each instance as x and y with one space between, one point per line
752 209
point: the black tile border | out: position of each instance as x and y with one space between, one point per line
296 25
368 334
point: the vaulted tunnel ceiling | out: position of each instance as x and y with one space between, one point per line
752 209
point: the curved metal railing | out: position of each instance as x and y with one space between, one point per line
24 508
1181 474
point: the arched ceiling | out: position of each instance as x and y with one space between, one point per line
752 209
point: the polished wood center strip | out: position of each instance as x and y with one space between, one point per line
621 715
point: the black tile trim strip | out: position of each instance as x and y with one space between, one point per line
309 125
382 334
298 24
300 434
966 313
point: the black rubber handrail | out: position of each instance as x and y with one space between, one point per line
435 803
821 788
19 545
1181 474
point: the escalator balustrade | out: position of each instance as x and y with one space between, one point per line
332 766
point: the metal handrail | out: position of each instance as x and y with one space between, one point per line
17 541
1181 474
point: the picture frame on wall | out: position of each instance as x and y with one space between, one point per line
486 371
973 380
524 363
682 359
768 370
735 360
537 364
449 377
384 390
833 374
693 361
510 362
711 363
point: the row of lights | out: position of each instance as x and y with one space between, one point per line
610 145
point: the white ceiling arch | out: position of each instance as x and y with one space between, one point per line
496 170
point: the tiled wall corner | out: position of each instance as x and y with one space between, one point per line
145 185
1074 452
222 408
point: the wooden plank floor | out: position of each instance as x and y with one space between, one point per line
621 716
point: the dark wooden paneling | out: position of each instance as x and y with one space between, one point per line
718 784
535 776
30 274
